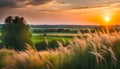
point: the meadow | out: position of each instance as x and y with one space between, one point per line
52 36
54 33
99 50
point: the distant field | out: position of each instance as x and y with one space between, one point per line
37 39
54 34
59 36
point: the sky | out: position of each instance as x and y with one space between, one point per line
65 12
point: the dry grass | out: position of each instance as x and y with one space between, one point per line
97 51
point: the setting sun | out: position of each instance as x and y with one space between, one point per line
107 19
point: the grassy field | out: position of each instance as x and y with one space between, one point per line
97 51
37 39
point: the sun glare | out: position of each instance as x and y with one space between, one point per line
107 19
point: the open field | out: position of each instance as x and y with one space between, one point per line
98 51
51 34
57 32
37 39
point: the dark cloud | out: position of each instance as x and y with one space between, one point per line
7 3
37 2
21 3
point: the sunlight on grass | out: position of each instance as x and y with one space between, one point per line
98 51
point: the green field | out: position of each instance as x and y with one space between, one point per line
37 39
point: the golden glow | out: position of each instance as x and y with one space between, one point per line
29 6
107 19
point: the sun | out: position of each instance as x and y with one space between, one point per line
107 19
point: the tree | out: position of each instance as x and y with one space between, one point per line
15 33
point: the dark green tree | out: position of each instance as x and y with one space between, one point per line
15 33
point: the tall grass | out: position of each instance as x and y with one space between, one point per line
98 51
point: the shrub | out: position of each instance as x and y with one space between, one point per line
41 45
15 33
53 44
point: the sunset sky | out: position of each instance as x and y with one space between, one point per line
68 12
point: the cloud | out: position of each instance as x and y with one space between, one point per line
7 3
74 4
89 3
53 7
38 2
70 5
97 6
115 5
21 3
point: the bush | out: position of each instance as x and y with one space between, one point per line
53 44
41 46
15 33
